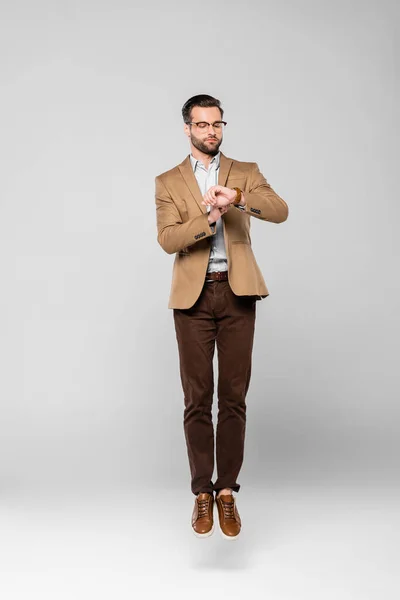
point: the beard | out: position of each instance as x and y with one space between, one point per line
206 147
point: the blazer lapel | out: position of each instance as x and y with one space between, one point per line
187 173
224 168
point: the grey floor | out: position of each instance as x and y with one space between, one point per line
338 542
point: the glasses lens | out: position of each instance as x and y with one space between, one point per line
204 125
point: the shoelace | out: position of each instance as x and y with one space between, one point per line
202 507
229 510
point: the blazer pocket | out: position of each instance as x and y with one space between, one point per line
240 242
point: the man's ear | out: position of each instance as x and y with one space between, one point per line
186 129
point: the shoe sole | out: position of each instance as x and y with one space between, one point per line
203 535
229 537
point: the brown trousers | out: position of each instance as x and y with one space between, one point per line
229 320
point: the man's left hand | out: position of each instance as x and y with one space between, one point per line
219 195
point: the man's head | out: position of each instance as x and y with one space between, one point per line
197 112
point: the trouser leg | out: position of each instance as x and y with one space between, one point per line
235 321
195 334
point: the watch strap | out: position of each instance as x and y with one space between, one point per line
238 196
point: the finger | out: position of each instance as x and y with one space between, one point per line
212 199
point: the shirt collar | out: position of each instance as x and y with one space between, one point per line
215 159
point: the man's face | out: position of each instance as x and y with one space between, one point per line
206 140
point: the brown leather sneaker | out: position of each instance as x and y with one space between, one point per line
203 515
229 519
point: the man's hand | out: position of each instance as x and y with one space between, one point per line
219 195
216 213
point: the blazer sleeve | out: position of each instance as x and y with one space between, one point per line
174 234
261 200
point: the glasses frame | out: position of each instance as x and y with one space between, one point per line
208 124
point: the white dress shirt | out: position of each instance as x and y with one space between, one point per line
206 179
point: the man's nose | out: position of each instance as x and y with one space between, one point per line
212 127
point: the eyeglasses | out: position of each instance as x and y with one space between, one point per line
203 124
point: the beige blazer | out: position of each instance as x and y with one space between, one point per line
183 228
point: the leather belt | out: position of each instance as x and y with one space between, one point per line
217 276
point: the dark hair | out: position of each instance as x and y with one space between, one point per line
202 100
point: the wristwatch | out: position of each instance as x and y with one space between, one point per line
236 201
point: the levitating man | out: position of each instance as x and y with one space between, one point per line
204 208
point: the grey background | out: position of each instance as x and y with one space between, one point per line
91 401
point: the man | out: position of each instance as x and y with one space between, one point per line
204 207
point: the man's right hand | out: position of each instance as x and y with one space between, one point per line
216 212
